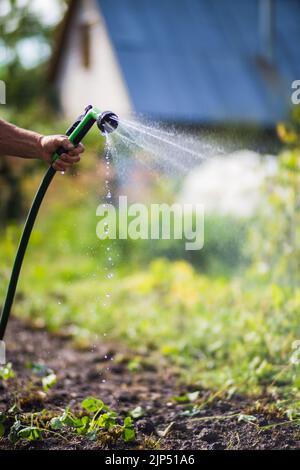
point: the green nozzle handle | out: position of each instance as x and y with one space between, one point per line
79 129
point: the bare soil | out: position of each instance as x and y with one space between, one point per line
103 372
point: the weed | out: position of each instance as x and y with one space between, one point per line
96 422
187 398
100 417
49 381
137 412
6 372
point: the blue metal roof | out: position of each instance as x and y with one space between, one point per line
196 60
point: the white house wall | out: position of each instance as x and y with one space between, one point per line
102 83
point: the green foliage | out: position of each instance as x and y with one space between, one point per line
188 397
137 412
276 235
30 433
128 430
6 372
100 417
92 405
13 435
49 381
247 418
25 86
99 422
218 330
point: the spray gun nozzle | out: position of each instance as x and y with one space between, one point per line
107 122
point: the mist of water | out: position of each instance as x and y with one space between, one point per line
161 149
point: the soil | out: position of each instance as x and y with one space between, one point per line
104 372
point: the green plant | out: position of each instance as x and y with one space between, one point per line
95 422
275 237
49 381
6 372
137 412
100 417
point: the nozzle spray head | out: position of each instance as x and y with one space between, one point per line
107 122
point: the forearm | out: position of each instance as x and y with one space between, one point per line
19 142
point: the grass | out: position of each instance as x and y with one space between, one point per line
225 332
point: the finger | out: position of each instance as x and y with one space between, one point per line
65 164
69 158
63 141
59 166
77 150
80 148
73 153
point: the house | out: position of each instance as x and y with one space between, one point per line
199 62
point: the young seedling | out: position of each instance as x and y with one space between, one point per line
6 372
100 417
95 422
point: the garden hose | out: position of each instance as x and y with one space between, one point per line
107 122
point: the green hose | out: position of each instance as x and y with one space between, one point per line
75 133
22 249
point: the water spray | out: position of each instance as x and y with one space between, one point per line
107 122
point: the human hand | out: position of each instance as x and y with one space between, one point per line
49 145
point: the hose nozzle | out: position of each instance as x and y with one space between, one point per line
107 122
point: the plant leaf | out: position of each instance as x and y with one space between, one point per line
247 418
128 434
6 372
14 430
49 381
92 404
56 423
137 412
30 433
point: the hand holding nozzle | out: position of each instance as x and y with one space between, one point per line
60 144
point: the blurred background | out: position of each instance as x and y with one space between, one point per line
215 77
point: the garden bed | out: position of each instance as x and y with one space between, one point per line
165 414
